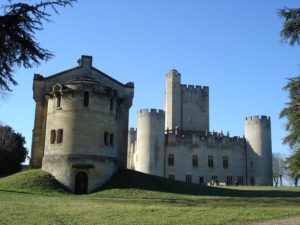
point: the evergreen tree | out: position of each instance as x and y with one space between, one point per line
290 33
18 46
12 151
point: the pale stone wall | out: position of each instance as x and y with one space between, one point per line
258 136
131 148
149 157
184 148
195 108
173 101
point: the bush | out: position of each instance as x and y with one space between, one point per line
12 151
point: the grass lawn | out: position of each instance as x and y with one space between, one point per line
34 197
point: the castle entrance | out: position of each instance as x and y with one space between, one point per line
81 183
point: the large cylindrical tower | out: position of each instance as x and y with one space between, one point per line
81 147
173 100
149 157
259 149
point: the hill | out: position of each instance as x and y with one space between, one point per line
32 181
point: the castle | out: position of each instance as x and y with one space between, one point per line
80 134
176 143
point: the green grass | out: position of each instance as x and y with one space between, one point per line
34 197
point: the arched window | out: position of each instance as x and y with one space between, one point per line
58 100
111 104
86 98
111 140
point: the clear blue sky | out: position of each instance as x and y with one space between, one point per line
234 47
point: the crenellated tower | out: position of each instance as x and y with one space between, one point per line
259 148
173 100
186 106
150 142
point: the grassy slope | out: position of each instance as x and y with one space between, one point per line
34 197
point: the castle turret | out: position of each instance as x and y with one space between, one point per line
186 106
150 142
259 148
173 100
81 126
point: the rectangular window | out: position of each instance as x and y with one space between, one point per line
52 136
201 180
240 180
60 134
111 140
58 100
210 161
171 160
171 176
188 178
106 137
229 180
195 160
225 161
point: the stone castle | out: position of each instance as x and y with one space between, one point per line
176 143
80 134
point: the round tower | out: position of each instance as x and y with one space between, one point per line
149 157
259 149
173 100
82 138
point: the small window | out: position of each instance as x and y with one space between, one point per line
60 134
188 178
225 162
52 136
111 104
86 98
251 164
201 180
171 160
111 139
229 180
171 176
106 135
210 161
195 160
58 101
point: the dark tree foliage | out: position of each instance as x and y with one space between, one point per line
293 166
292 113
291 27
290 33
18 45
12 151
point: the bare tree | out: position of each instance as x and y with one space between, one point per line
278 164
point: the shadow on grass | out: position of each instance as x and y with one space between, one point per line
129 179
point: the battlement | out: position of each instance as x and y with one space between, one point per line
151 112
258 118
209 139
188 87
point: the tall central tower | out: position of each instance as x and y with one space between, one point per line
173 101
186 106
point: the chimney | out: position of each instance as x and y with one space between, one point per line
86 61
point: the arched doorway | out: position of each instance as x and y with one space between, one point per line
81 183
